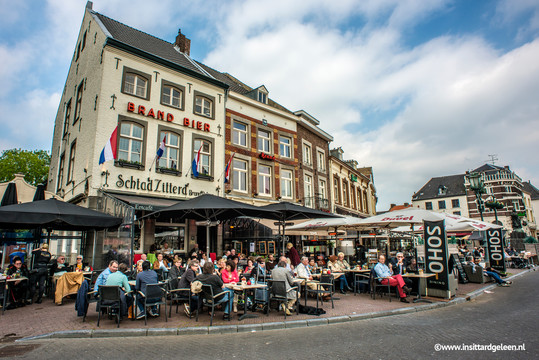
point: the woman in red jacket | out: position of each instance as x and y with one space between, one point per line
230 275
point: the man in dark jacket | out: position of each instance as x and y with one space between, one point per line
147 276
209 278
17 288
185 283
42 257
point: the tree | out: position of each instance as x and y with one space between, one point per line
33 164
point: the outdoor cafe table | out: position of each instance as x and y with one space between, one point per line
8 282
244 287
421 278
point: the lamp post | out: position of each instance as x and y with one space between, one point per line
476 185
495 205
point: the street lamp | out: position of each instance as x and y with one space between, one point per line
495 205
476 185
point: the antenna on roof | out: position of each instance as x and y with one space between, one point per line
493 158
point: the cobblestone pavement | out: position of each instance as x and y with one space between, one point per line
506 315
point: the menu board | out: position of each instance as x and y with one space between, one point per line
458 264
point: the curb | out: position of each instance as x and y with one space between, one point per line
228 329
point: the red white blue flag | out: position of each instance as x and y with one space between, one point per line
161 149
110 150
227 169
196 163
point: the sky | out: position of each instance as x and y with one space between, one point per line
414 88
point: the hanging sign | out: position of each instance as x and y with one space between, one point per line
496 256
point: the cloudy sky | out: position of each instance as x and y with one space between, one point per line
413 88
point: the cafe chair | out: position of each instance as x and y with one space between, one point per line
179 296
278 292
155 296
209 299
326 285
378 288
361 281
109 299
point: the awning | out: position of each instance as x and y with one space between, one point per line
144 203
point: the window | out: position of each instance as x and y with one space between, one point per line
131 141
428 205
171 155
83 41
262 97
336 190
322 189
307 154
345 193
308 189
264 141
60 173
172 96
135 85
239 134
489 189
205 166
441 204
359 200
239 175
456 212
442 190
286 184
70 168
78 104
67 117
264 180
455 203
285 146
203 106
508 189
516 205
321 161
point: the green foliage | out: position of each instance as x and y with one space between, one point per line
530 240
33 164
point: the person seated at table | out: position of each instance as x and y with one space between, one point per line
259 271
248 269
281 274
102 278
304 273
209 278
313 266
143 257
476 263
147 276
397 265
271 263
174 273
59 268
118 278
382 271
226 255
167 251
230 275
412 267
339 265
236 260
220 266
160 263
203 258
288 266
187 278
18 289
80 266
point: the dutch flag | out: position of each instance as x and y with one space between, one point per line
110 150
196 163
161 149
227 169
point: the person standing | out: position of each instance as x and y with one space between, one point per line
293 254
42 257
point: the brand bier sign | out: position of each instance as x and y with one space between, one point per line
160 115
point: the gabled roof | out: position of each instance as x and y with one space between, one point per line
150 45
452 185
489 168
534 192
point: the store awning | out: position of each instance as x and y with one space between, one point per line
144 203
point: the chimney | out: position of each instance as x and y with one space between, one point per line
89 5
391 206
183 43
406 204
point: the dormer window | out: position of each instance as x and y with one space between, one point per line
442 190
262 97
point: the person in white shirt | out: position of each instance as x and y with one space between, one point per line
304 273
